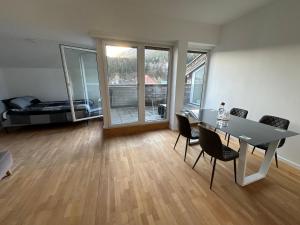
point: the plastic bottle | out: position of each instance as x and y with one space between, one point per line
221 111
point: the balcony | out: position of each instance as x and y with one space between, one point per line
124 103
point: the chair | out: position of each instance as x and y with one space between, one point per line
237 112
186 131
211 143
275 122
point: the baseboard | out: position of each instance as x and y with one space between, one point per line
280 158
121 131
289 162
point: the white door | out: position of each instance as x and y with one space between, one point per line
82 80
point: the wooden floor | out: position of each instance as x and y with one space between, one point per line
69 175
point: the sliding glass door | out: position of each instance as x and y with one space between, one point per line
82 80
122 84
137 79
156 83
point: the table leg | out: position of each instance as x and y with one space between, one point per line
242 164
263 170
268 158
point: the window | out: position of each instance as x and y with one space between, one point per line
194 79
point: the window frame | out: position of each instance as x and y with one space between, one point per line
68 81
141 46
168 80
205 76
193 84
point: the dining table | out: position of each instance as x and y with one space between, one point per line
248 132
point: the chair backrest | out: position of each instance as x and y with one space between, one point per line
210 142
276 122
184 125
239 112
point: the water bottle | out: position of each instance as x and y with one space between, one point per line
221 111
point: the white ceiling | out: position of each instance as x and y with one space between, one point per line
216 12
72 20
204 11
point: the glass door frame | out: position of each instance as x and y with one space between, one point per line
205 76
140 79
193 86
69 82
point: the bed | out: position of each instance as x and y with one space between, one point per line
28 110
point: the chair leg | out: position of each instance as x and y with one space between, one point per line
176 141
234 164
253 150
8 172
276 159
186 145
211 158
213 173
228 140
215 130
198 158
225 136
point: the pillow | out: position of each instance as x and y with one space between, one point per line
35 101
31 99
6 101
20 103
28 98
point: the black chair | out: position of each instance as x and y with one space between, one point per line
186 131
211 143
237 112
275 122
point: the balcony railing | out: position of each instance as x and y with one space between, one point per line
124 102
127 95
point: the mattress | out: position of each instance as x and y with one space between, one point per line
45 113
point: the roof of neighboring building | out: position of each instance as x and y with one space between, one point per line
150 80
195 64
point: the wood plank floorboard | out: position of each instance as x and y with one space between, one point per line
69 175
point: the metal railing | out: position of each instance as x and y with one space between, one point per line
127 95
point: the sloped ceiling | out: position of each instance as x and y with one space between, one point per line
24 24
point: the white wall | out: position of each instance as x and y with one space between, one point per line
44 83
3 90
256 66
178 84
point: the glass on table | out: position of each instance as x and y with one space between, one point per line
226 116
